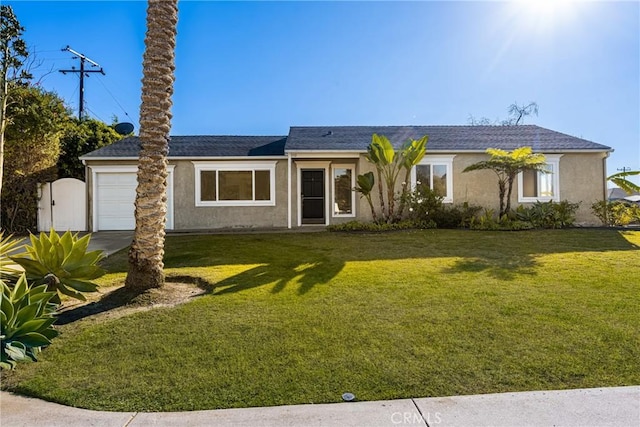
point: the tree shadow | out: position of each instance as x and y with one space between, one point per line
307 275
125 297
282 260
506 269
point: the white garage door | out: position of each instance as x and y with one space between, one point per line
114 197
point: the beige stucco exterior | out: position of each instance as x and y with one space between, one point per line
581 180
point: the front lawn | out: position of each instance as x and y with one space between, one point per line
303 318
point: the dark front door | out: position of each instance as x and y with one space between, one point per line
313 196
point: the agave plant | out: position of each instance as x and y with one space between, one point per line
26 317
9 271
62 263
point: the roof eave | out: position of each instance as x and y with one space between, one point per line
188 158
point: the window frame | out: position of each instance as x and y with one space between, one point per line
217 166
352 167
554 161
437 160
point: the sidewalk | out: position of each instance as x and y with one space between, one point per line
617 406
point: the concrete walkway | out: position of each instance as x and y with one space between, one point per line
617 406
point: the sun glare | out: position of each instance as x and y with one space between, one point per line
546 13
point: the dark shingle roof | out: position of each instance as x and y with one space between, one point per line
441 138
357 138
200 146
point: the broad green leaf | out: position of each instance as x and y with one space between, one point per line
366 182
16 351
26 313
70 292
80 285
66 242
383 149
32 267
87 272
35 325
20 289
34 339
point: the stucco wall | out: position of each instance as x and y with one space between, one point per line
581 180
188 216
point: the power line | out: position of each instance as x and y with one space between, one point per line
114 98
83 71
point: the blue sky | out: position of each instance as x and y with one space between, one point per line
256 68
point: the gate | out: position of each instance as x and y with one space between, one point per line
63 205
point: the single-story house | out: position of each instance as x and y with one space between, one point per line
618 194
307 177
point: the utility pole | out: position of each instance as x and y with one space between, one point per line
83 71
624 170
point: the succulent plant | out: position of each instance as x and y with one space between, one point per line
26 319
62 263
8 269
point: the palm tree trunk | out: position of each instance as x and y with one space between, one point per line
507 208
502 191
147 249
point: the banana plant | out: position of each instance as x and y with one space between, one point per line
413 151
381 153
26 318
620 179
389 164
62 263
365 186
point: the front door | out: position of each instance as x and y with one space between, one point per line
313 196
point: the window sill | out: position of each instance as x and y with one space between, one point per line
235 203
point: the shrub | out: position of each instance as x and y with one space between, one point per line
456 216
617 213
423 202
548 214
379 227
62 263
427 207
489 221
26 317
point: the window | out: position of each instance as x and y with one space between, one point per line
343 181
535 185
235 184
436 173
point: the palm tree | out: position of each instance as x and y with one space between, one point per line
147 248
507 165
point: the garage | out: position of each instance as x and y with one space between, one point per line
114 194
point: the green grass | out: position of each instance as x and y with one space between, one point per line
303 318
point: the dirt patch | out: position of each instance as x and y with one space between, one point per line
119 302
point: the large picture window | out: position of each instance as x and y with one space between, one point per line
536 186
435 172
343 182
235 184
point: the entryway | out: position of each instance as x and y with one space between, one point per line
313 196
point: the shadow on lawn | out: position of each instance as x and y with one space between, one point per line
306 260
307 276
128 298
502 269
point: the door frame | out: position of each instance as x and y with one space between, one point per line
324 165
